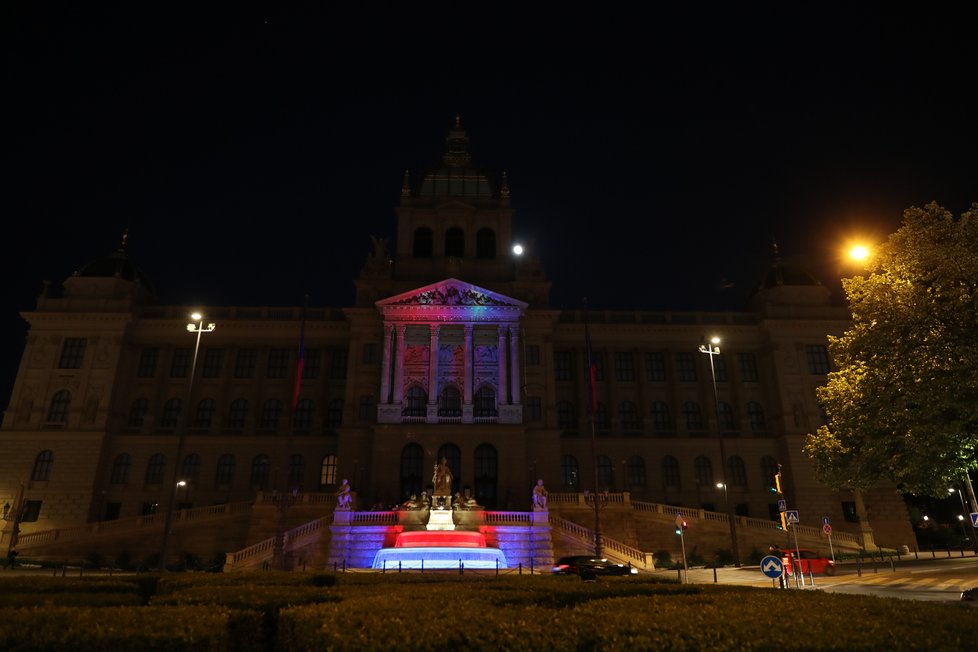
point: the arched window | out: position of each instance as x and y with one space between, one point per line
137 413
260 471
661 419
450 402
120 469
190 467
327 471
304 411
171 413
769 468
455 242
485 402
297 471
225 470
154 469
334 413
60 403
628 414
237 413
606 474
417 402
635 466
693 416
412 463
736 471
485 243
670 472
727 420
755 414
42 466
570 472
566 415
601 423
205 413
271 411
486 474
704 471
424 241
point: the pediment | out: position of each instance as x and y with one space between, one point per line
451 299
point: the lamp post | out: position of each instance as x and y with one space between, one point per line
198 328
712 349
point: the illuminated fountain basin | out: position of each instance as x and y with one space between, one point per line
439 549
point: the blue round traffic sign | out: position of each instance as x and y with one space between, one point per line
772 566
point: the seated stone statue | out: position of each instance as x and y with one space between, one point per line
539 496
343 498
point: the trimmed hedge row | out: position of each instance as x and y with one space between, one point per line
273 612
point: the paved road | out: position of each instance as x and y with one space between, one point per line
940 579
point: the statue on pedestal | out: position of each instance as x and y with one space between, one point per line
343 498
441 495
539 496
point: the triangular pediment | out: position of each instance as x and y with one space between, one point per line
451 299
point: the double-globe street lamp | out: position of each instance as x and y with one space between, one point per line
198 328
712 349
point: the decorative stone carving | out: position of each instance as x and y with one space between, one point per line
449 296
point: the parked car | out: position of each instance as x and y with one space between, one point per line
586 565
970 595
811 562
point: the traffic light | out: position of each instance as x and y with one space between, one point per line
777 483
784 522
679 528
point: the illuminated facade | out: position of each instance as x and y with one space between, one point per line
450 350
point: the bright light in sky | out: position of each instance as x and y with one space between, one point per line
518 249
859 252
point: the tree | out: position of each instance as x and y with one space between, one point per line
903 404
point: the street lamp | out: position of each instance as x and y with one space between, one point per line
198 328
712 349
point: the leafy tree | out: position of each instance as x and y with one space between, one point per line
903 404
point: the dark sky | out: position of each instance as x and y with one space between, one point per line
652 158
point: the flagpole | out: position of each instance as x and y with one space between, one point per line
592 390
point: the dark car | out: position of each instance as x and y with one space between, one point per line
585 565
970 595
811 562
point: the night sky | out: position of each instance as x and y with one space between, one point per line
652 159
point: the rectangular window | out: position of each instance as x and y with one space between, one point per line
563 365
533 410
278 363
369 353
367 406
655 367
72 353
532 354
818 359
213 363
748 367
624 366
32 511
180 363
687 366
849 512
337 365
313 365
147 362
245 363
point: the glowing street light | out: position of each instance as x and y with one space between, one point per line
198 328
712 349
517 249
859 252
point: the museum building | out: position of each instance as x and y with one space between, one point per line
450 351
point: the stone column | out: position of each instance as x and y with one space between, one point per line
399 365
468 376
433 375
514 364
503 391
385 373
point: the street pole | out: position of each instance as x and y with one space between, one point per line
199 329
712 349
16 514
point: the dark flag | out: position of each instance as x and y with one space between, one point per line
592 367
300 364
